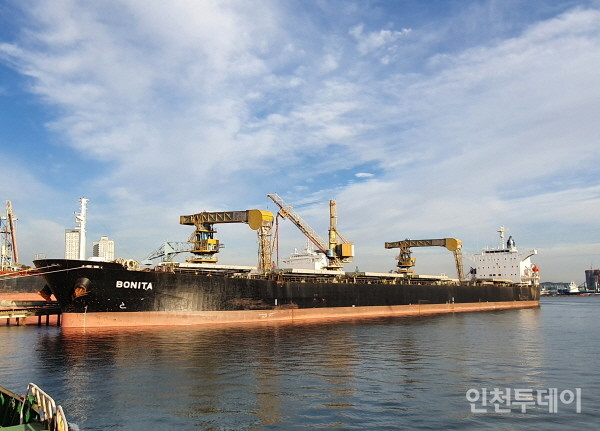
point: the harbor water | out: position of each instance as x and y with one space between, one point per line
514 369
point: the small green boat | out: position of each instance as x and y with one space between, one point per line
34 411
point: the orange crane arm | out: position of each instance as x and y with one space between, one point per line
337 254
285 211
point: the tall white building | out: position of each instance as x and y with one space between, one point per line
71 243
105 248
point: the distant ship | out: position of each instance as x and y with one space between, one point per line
573 288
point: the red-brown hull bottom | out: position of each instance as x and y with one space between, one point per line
21 297
162 318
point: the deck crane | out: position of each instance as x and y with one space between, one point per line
338 250
406 262
205 246
167 251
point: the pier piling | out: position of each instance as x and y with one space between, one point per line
20 313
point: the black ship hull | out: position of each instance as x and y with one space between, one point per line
107 294
21 286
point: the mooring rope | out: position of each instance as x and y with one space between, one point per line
59 270
39 272
21 273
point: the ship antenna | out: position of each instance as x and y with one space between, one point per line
81 218
501 232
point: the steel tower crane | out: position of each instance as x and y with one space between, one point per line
338 250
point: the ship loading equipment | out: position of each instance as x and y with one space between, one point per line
406 261
205 246
338 250
167 251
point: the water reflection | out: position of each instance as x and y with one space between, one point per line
364 373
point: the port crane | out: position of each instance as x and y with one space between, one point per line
9 254
338 250
406 261
205 246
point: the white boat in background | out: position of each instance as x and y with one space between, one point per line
573 288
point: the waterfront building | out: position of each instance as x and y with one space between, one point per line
72 243
105 248
592 280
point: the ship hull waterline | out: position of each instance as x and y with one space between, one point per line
96 295
173 318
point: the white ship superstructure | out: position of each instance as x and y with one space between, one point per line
505 263
573 288
307 259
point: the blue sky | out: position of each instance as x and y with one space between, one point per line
422 119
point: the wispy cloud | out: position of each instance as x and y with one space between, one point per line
368 42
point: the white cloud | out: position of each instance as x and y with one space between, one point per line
330 63
376 39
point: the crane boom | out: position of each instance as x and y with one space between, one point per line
167 250
337 253
405 261
285 211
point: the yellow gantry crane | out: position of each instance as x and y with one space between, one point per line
406 261
206 246
338 250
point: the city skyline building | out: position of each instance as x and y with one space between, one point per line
105 248
72 243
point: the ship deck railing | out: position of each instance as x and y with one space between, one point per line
35 411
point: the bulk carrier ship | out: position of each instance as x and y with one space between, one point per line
201 291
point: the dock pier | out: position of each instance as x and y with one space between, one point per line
20 312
